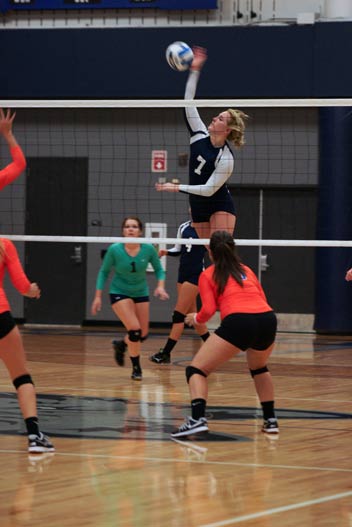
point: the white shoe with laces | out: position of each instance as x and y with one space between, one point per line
191 426
39 444
270 426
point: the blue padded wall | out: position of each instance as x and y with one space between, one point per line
130 62
333 309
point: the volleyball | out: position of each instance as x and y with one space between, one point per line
179 56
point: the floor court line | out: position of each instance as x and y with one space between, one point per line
177 460
277 510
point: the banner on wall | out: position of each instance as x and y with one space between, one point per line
7 5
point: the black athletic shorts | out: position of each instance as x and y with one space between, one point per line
249 330
203 208
7 324
116 297
200 215
191 278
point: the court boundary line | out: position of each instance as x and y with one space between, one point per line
176 460
277 510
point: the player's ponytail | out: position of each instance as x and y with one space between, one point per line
226 260
237 125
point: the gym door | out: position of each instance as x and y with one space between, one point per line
56 205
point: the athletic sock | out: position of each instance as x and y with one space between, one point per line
268 410
169 346
32 426
135 363
205 336
198 408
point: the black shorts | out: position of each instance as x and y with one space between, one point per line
116 297
191 278
7 324
249 330
201 211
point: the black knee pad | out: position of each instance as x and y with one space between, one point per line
144 338
22 379
178 317
134 335
259 371
191 370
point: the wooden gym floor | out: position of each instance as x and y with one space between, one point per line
115 464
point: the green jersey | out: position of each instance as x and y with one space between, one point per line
130 271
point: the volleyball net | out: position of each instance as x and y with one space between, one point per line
90 164
104 158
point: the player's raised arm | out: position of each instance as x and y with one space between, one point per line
14 169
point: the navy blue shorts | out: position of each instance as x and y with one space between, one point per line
203 208
192 279
116 297
7 324
249 330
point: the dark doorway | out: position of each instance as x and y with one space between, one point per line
290 214
280 213
56 205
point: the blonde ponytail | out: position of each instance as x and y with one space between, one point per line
237 125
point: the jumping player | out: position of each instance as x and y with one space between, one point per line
190 267
211 161
129 292
11 347
248 324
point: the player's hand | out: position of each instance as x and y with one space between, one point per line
189 319
166 187
33 291
162 252
199 58
161 293
6 120
96 306
348 276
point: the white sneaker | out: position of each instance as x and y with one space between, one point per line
270 426
38 444
191 426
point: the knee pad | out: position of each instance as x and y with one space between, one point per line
144 338
134 335
178 317
22 379
191 370
259 371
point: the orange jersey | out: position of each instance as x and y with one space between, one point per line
249 298
11 262
14 169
